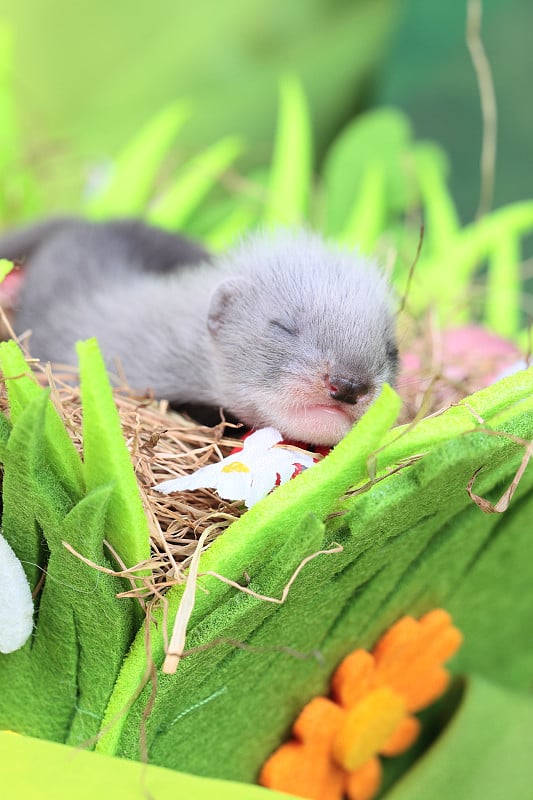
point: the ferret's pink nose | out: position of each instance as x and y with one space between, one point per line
345 390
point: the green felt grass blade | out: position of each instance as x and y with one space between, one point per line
35 769
82 632
497 563
19 524
137 166
20 384
105 626
5 430
503 295
375 137
291 170
443 281
483 754
195 180
510 397
32 673
61 683
35 494
47 495
368 215
478 239
22 388
5 268
106 459
440 216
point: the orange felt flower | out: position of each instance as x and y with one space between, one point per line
337 741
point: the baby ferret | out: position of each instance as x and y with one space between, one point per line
283 330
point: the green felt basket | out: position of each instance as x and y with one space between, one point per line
412 540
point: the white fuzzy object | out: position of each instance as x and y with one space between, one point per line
16 604
248 475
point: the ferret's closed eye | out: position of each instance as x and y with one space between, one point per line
284 326
392 351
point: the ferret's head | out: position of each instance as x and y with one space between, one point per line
304 336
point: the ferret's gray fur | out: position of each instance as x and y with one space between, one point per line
262 331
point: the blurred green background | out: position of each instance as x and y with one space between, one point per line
87 75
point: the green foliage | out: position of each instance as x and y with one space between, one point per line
291 170
60 681
194 181
503 296
22 389
376 179
440 215
369 150
106 459
137 167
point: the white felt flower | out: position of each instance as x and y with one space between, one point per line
16 604
248 475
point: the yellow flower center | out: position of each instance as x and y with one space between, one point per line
235 466
367 727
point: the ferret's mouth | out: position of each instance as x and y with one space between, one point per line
319 423
307 414
325 410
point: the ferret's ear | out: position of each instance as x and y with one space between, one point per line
224 304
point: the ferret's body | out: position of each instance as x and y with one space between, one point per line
283 330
